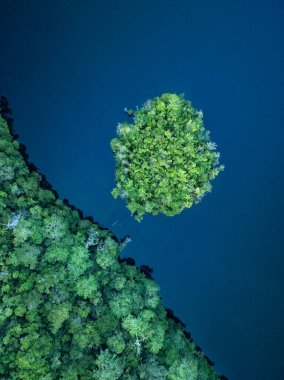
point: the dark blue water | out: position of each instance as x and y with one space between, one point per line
69 68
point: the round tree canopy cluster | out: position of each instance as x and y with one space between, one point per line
165 160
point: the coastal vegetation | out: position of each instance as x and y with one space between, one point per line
70 307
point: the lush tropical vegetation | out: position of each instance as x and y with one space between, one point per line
70 308
165 160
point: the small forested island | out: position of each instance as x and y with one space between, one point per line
70 307
165 160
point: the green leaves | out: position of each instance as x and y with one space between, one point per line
56 253
115 193
87 287
148 327
116 343
109 366
79 262
107 253
26 255
58 314
159 154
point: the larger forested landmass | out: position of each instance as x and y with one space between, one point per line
70 308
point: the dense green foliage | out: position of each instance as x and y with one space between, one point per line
69 308
164 159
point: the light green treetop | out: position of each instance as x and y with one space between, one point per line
164 159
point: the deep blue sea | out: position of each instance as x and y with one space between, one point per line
68 69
